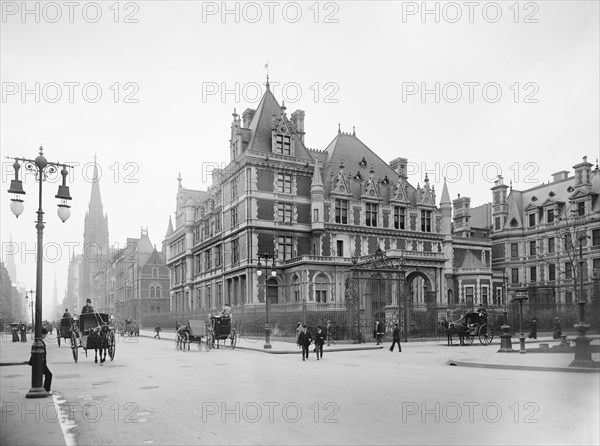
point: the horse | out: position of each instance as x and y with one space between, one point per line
453 328
98 340
183 330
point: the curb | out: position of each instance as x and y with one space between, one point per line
2 364
452 362
291 352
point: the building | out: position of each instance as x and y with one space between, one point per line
547 238
95 240
12 300
135 283
321 214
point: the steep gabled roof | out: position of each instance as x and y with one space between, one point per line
514 210
262 126
471 261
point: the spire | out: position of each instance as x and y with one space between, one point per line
179 179
95 199
55 295
170 227
445 195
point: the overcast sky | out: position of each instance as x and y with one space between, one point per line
150 87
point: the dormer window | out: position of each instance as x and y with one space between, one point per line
550 216
371 214
531 220
581 208
425 221
283 144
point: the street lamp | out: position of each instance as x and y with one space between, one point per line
41 167
266 257
583 354
521 296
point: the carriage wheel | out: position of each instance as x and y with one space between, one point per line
112 345
469 338
486 334
209 343
74 347
177 341
233 339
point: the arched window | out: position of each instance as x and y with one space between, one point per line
152 292
296 288
272 291
321 286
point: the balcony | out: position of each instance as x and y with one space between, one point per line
317 259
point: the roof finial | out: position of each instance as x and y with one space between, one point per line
353 131
339 128
179 180
267 67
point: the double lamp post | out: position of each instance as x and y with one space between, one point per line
266 257
41 167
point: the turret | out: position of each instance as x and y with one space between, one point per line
499 204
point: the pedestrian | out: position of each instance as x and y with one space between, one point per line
45 370
157 330
557 329
329 331
533 332
23 329
396 338
379 332
304 340
319 342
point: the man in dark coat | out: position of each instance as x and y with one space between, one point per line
66 314
88 307
319 342
533 332
329 330
304 340
396 338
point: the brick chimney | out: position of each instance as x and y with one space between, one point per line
298 122
247 117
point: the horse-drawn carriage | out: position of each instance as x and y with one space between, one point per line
65 329
130 327
471 324
93 332
220 329
194 331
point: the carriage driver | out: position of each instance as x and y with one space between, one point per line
88 307
226 311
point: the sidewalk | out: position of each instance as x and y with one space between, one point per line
278 346
25 421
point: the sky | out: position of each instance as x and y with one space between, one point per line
463 91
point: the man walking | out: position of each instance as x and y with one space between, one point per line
319 342
396 338
157 330
304 340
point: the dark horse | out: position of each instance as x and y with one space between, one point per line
455 328
98 340
183 330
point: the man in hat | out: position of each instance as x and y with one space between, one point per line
88 307
304 340
298 330
329 332
66 314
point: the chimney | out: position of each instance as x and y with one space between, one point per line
398 165
247 117
559 176
298 123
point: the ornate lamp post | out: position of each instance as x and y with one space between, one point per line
259 272
41 167
583 354
30 299
521 296
402 297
